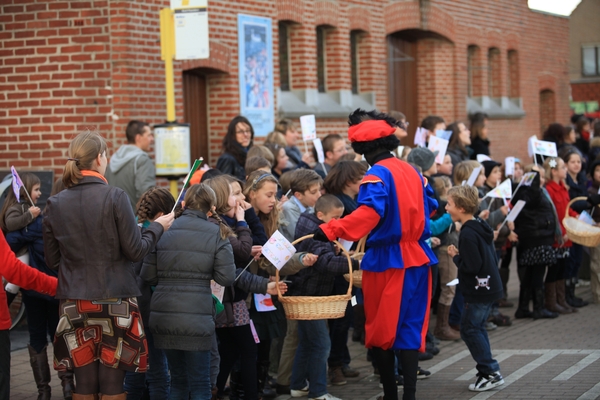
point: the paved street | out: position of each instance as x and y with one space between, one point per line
544 359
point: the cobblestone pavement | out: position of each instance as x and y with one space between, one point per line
543 359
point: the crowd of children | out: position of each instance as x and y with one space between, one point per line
198 346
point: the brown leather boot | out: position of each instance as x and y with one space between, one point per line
550 299
85 396
66 380
41 372
442 330
561 297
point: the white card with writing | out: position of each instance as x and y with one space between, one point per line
263 302
443 134
509 166
544 148
217 290
528 178
440 145
482 158
278 250
319 148
473 178
309 127
420 137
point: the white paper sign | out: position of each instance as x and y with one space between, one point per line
514 213
263 302
309 127
482 158
353 301
440 145
528 179
420 137
502 191
347 244
319 148
400 151
530 145
191 32
586 217
443 134
453 282
544 148
509 166
278 250
217 290
473 178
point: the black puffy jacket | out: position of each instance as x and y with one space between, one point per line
535 224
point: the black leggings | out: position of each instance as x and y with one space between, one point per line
42 318
385 361
557 271
532 276
234 343
98 378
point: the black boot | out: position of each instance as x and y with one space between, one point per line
264 388
387 376
572 300
41 372
539 311
410 363
504 275
358 334
523 308
235 384
66 380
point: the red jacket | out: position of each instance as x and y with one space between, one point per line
21 275
560 197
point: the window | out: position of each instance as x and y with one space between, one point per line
284 57
547 109
513 74
354 37
591 60
494 74
474 71
321 59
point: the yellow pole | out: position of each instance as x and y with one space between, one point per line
167 52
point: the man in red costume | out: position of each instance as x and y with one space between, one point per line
394 207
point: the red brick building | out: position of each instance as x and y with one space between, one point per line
68 65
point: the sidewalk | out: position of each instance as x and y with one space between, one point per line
549 359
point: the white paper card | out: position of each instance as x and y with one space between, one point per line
509 166
453 282
278 250
400 150
263 302
482 158
530 145
502 191
353 301
514 213
586 217
309 127
528 178
254 333
440 145
442 134
217 290
544 148
347 244
319 148
473 178
420 137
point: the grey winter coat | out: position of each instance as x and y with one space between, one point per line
132 170
189 255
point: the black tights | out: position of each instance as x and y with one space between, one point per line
385 361
98 378
557 271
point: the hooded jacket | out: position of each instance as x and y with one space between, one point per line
132 170
477 263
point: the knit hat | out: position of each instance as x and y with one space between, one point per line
489 166
370 130
422 157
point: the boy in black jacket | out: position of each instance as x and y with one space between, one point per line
479 282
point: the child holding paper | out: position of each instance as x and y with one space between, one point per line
305 185
479 282
314 342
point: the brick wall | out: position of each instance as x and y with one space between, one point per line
68 65
585 91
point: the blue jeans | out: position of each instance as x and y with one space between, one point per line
311 357
456 308
473 332
190 374
157 377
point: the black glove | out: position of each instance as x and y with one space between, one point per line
594 199
320 235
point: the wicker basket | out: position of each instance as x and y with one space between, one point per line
580 232
315 307
358 255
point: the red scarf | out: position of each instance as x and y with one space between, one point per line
95 174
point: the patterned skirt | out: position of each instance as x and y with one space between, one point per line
109 331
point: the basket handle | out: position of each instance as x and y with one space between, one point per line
360 247
339 245
571 202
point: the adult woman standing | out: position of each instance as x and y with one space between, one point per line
236 144
91 237
288 129
460 140
479 135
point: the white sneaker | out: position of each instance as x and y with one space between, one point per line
326 396
486 382
300 393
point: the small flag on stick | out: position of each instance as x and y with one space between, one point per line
186 181
17 184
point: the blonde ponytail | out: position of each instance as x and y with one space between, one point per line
83 150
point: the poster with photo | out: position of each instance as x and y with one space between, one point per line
255 47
